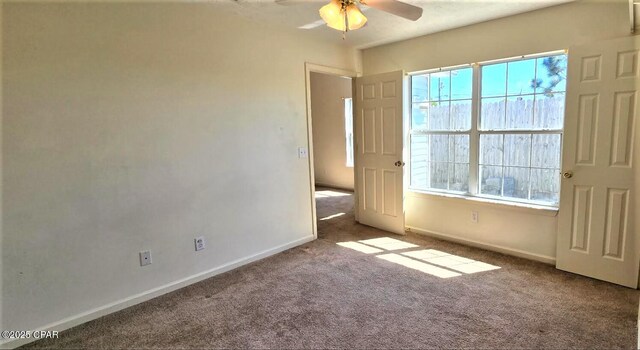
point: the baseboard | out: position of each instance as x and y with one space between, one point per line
487 246
152 293
337 187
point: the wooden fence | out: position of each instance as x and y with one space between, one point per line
523 166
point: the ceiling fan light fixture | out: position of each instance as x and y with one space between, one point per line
355 18
333 15
342 15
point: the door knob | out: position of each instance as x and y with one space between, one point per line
399 163
567 174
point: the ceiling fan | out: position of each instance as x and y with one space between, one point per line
345 15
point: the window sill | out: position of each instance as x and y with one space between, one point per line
521 207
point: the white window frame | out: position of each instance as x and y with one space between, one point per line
475 132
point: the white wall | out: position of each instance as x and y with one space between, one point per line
521 231
329 143
140 126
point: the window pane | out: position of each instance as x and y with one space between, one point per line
516 182
419 152
439 175
549 111
461 83
431 94
419 88
348 129
492 113
440 162
459 148
494 80
490 180
440 86
521 75
459 177
517 150
551 74
491 149
545 152
439 148
545 185
461 115
519 112
419 114
439 116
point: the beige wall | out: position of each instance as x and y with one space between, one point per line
329 143
129 127
544 30
523 232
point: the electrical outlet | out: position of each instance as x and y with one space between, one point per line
303 152
145 258
474 217
199 242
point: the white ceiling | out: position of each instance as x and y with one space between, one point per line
382 27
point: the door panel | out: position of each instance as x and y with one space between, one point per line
379 171
369 190
596 229
389 185
369 131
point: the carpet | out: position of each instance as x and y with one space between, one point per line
359 287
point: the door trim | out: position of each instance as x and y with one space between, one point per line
317 68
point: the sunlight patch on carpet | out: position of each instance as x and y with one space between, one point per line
388 243
430 261
450 261
417 265
329 193
332 216
362 248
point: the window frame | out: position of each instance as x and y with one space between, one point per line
475 132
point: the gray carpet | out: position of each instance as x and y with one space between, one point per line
323 295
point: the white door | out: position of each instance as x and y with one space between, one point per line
379 164
597 236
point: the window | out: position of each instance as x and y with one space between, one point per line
348 128
440 129
499 135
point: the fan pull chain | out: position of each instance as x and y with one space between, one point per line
346 20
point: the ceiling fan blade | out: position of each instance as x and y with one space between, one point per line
290 2
395 7
314 24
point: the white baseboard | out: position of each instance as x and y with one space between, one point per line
337 187
152 293
488 246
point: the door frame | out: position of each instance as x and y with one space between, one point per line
340 72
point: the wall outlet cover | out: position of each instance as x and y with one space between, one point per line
303 152
199 243
145 258
474 217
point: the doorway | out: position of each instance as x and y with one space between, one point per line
332 119
331 143
333 150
